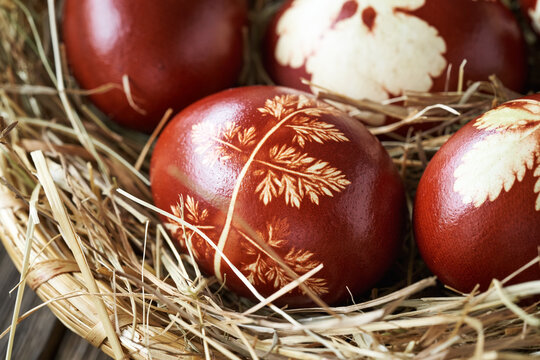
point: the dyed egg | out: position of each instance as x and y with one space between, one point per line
173 52
477 209
269 170
378 49
531 9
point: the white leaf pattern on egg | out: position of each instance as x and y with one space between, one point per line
261 268
331 52
496 162
534 14
537 185
504 118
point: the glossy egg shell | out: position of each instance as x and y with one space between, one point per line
302 177
477 209
378 49
174 52
531 10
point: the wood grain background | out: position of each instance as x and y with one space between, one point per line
40 336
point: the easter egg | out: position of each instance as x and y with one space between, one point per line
283 185
477 208
372 49
158 54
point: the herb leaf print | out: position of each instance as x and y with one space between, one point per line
217 143
503 157
289 171
300 176
284 105
190 210
268 185
285 170
263 269
312 130
504 118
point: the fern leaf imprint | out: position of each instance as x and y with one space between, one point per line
500 159
263 269
190 210
300 175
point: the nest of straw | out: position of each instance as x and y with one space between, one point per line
77 222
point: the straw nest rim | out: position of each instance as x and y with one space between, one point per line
78 224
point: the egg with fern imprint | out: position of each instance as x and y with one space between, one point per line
284 185
477 209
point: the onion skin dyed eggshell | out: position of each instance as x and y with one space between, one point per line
378 49
477 209
273 165
174 52
531 10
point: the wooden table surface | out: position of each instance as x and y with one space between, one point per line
40 336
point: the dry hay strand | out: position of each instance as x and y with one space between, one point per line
77 222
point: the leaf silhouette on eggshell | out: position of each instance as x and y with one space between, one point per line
300 176
194 214
190 210
311 33
263 269
216 143
268 187
503 157
290 171
312 130
281 106
504 118
534 14
284 169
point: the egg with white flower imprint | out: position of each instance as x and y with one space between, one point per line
377 49
477 208
285 186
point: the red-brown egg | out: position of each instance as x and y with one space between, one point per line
173 52
378 49
274 166
531 9
477 208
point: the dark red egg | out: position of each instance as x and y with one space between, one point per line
173 52
477 208
379 49
531 9
268 170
